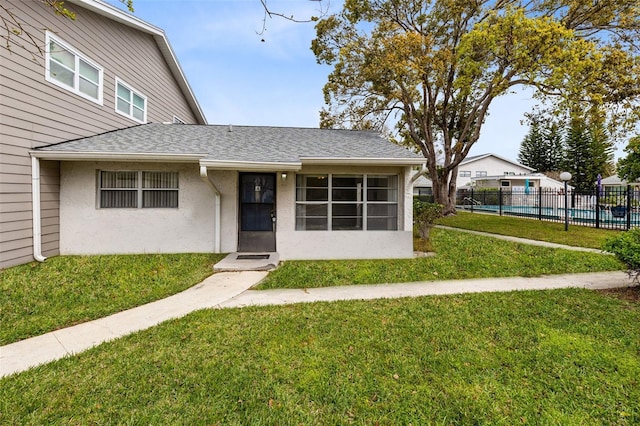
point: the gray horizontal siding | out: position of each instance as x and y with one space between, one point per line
34 112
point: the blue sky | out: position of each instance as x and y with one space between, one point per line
238 79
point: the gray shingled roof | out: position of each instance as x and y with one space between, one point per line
238 143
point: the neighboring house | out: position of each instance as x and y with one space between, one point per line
423 186
486 165
305 193
616 185
105 70
517 183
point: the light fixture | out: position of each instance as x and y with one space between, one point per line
284 176
565 176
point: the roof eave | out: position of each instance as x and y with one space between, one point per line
251 165
116 156
482 156
362 161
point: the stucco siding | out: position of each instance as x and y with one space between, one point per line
227 183
35 112
294 244
87 229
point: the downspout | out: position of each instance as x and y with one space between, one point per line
35 208
205 177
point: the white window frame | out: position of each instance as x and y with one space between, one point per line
76 71
139 188
133 92
362 201
465 173
481 174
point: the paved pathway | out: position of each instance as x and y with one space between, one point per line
594 281
525 241
231 289
20 356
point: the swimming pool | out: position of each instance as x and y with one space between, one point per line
577 216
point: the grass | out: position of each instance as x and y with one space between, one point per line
580 236
40 297
546 357
458 256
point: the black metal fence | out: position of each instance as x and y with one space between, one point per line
611 208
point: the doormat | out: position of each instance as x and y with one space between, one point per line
252 256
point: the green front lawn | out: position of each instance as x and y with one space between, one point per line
566 357
458 256
40 297
580 236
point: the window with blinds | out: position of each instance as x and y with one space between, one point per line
137 189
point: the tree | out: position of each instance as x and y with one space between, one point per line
577 155
542 148
554 143
433 68
532 152
589 152
629 166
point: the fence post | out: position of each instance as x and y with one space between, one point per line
472 201
500 200
628 207
597 208
539 203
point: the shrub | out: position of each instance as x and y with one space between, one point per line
424 216
626 247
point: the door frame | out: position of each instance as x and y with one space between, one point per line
257 240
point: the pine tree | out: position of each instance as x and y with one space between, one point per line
542 148
532 148
589 152
578 147
554 146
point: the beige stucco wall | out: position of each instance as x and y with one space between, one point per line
292 244
86 229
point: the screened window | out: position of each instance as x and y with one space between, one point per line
382 203
137 189
465 173
481 174
312 202
346 202
68 69
130 103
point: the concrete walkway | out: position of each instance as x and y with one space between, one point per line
22 355
231 290
524 240
593 281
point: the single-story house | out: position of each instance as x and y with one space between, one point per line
169 188
422 186
615 184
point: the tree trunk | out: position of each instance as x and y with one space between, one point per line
444 192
